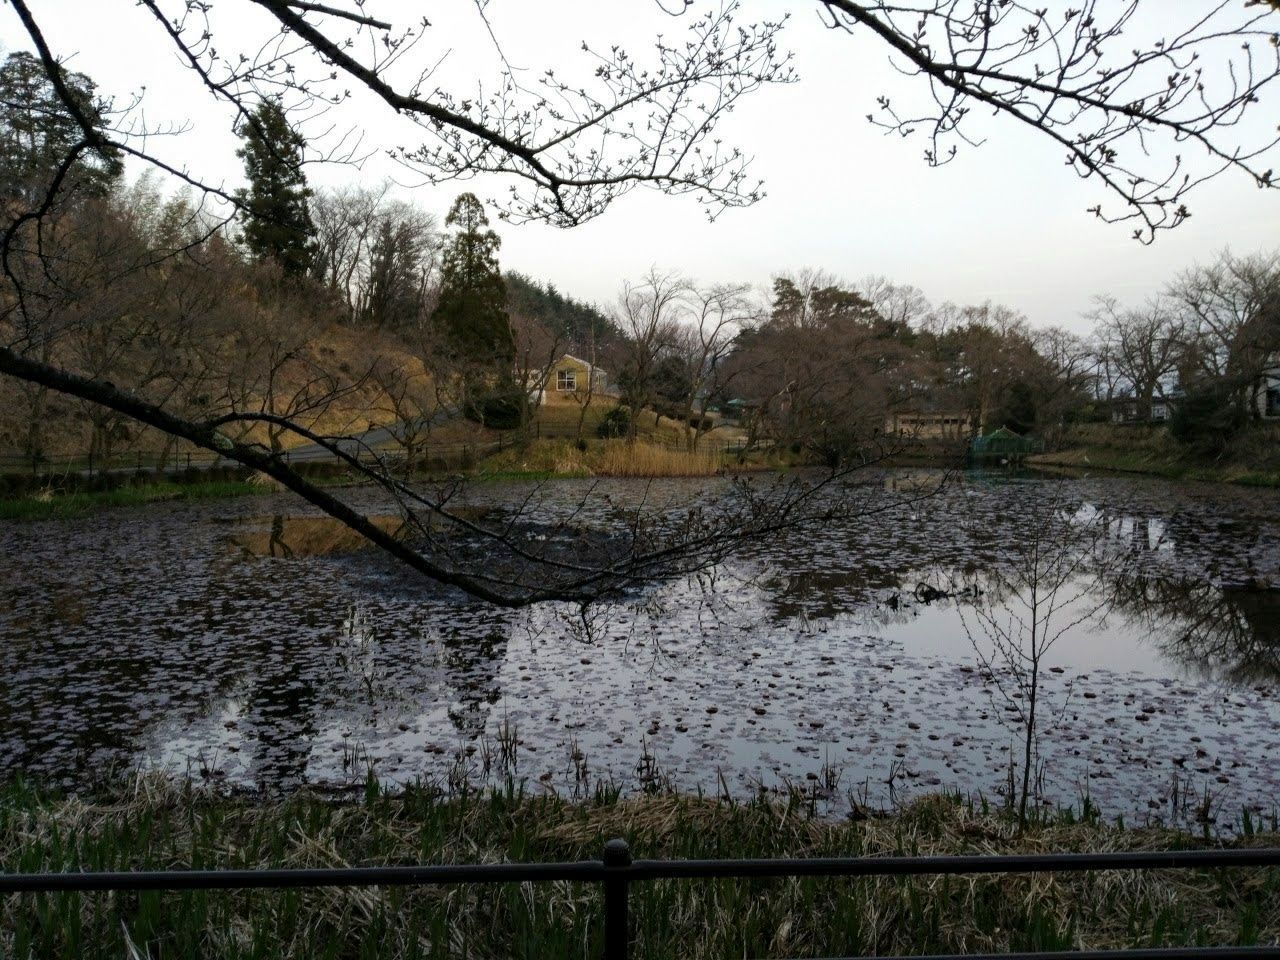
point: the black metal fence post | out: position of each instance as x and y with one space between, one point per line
617 883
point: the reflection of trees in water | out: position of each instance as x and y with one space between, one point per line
1229 633
825 594
1155 567
166 633
472 665
281 706
468 661
277 546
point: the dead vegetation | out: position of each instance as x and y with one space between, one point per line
161 824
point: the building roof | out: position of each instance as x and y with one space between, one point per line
585 363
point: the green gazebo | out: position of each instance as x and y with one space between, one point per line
1002 445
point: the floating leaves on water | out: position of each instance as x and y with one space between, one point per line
135 637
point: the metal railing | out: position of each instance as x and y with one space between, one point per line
616 872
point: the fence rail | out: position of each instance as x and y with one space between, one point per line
616 871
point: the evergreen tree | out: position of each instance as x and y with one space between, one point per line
277 218
37 133
580 323
471 311
1017 411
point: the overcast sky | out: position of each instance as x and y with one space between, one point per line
1004 222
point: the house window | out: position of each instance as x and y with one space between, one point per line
567 380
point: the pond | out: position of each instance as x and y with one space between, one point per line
253 642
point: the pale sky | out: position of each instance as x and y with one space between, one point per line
1005 221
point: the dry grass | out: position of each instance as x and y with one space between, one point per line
155 823
617 458
343 351
560 418
605 458
560 458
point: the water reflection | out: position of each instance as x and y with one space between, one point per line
139 637
288 536
1229 633
472 665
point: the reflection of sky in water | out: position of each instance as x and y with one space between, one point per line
1107 636
155 636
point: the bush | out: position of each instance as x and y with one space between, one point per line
500 409
1018 411
1206 419
616 423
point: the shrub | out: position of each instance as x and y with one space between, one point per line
616 423
1206 419
499 409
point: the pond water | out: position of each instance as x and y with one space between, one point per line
251 641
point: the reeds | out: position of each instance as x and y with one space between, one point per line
157 823
605 458
617 458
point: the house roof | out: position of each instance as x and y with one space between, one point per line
1003 432
585 363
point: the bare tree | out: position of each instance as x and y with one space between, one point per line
649 313
1041 588
1232 323
378 255
277 379
346 220
1144 111
1071 365
1143 346
537 348
703 344
900 304
583 397
409 402
577 144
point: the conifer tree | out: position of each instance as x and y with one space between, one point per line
472 310
277 216
37 132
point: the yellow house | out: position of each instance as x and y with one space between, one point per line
570 378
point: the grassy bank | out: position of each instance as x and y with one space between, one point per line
543 459
43 506
158 824
1252 458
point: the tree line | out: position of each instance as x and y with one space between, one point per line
215 316
821 364
163 315
1204 347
